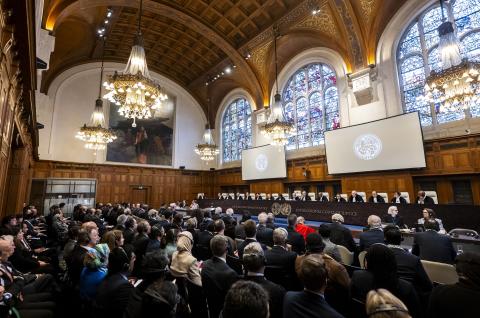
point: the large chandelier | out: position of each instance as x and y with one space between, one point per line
456 85
95 135
133 90
277 128
207 149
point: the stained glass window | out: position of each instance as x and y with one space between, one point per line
236 129
310 100
418 55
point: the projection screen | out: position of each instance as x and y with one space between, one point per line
265 162
387 144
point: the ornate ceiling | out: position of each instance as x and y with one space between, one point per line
191 41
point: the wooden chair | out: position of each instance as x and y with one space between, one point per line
345 255
440 272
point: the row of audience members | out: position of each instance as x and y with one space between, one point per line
139 262
422 198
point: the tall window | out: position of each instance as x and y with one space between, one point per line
236 129
418 55
310 99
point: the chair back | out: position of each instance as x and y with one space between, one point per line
232 195
242 195
345 196
325 194
361 259
363 195
433 195
345 255
384 195
406 196
200 195
263 195
463 232
440 272
312 195
275 195
224 195
286 196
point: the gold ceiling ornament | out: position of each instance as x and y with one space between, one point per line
207 149
456 85
95 135
133 90
278 129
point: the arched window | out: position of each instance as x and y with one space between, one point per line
310 100
418 55
236 129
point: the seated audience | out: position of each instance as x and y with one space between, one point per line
373 235
250 233
392 217
254 264
429 214
397 198
330 247
422 198
354 197
264 234
184 264
432 246
376 198
217 276
303 229
295 239
24 259
246 299
381 272
382 304
341 235
460 299
409 266
311 301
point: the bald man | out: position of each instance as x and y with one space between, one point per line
373 235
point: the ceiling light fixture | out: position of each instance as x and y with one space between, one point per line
277 128
133 90
95 135
456 86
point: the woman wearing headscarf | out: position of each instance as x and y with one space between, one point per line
95 270
184 264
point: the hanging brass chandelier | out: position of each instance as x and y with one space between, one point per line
133 90
456 86
277 128
207 149
95 135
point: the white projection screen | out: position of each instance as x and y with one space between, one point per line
265 162
387 144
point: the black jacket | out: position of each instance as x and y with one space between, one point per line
323 199
217 277
339 200
426 200
431 246
410 268
307 304
265 235
370 237
380 199
341 235
75 263
402 200
275 294
296 240
458 300
283 262
112 296
398 220
358 198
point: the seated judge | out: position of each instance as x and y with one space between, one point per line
220 196
429 214
423 198
355 197
269 197
248 196
397 198
303 197
375 198
258 196
392 217
230 197
338 198
280 197
321 197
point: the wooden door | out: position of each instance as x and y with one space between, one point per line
139 195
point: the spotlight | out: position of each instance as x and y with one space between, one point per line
106 21
109 13
228 70
316 11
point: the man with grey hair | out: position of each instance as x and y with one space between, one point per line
283 259
373 235
271 220
217 276
340 234
254 263
264 234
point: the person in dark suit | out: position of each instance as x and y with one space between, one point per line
381 272
220 196
321 197
303 197
280 197
338 198
460 299
140 244
250 236
392 217
115 290
397 198
75 260
432 246
354 197
282 260
295 239
217 276
203 243
130 230
254 263
375 198
239 197
373 235
341 235
264 234
311 301
248 197
409 266
422 198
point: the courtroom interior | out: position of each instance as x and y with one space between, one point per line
234 158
